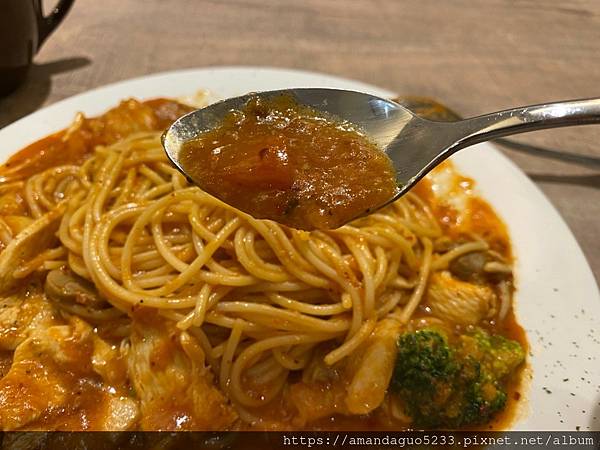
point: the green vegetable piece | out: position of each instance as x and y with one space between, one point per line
444 385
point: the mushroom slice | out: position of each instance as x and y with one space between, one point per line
64 286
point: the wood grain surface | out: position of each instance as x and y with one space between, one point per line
476 56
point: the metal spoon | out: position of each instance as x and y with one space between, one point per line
414 144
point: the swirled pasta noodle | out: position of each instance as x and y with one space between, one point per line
255 307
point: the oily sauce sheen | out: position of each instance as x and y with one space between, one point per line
275 159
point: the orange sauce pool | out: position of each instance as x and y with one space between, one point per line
275 159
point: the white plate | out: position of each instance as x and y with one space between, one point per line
557 301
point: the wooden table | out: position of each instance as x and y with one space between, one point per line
475 56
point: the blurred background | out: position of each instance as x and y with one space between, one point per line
473 56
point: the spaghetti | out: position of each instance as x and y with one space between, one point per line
143 236
262 302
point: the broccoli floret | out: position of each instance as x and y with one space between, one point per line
425 358
499 356
453 385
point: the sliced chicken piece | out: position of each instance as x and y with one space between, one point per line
459 301
34 239
373 368
317 400
109 363
20 315
356 385
121 413
321 392
39 379
175 388
51 384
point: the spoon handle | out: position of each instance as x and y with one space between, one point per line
527 118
